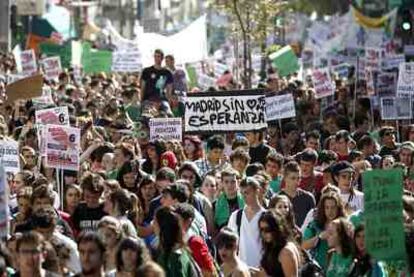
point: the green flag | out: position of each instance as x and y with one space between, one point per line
384 234
95 61
63 51
285 61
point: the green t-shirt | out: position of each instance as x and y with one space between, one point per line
134 112
177 264
339 266
275 184
319 253
113 175
357 218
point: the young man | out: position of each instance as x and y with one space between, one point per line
197 245
405 154
44 222
123 153
343 176
214 159
239 159
164 178
87 214
92 254
302 201
366 145
179 77
342 139
258 150
230 199
31 253
313 140
156 84
389 145
311 180
274 166
245 222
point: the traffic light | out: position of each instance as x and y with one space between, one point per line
406 21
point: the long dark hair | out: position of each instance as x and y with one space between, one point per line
281 234
171 234
136 245
345 234
320 212
147 180
130 167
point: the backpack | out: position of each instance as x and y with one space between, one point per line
310 267
239 216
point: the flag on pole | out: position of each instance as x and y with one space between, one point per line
285 61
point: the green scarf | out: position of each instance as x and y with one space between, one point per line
222 212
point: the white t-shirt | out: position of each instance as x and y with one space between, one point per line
354 202
73 263
250 244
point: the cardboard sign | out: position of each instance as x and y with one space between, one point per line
28 62
166 128
322 83
280 106
26 88
52 67
127 60
4 206
62 147
224 111
9 156
384 233
395 108
405 86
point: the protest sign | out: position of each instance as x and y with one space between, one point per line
279 107
386 84
62 51
26 88
9 156
341 70
285 61
57 116
370 81
206 81
373 58
395 108
166 128
384 234
223 111
52 67
96 61
4 206
322 83
62 147
405 86
127 60
393 61
28 62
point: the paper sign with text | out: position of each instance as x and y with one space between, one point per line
386 84
373 58
395 108
322 83
405 86
166 128
28 62
224 111
62 147
9 156
52 67
279 107
127 60
384 233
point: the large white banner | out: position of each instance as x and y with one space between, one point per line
225 111
280 106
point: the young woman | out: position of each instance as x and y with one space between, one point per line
340 237
282 205
147 191
281 257
118 204
73 195
363 264
193 148
209 188
329 208
129 176
173 255
227 245
154 151
130 255
109 228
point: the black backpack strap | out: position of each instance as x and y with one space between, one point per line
239 220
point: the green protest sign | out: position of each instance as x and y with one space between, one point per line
285 61
384 234
63 51
95 61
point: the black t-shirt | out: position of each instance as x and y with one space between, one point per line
302 203
259 153
155 82
87 219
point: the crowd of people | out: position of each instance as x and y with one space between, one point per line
287 201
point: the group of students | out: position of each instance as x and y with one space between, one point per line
281 202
